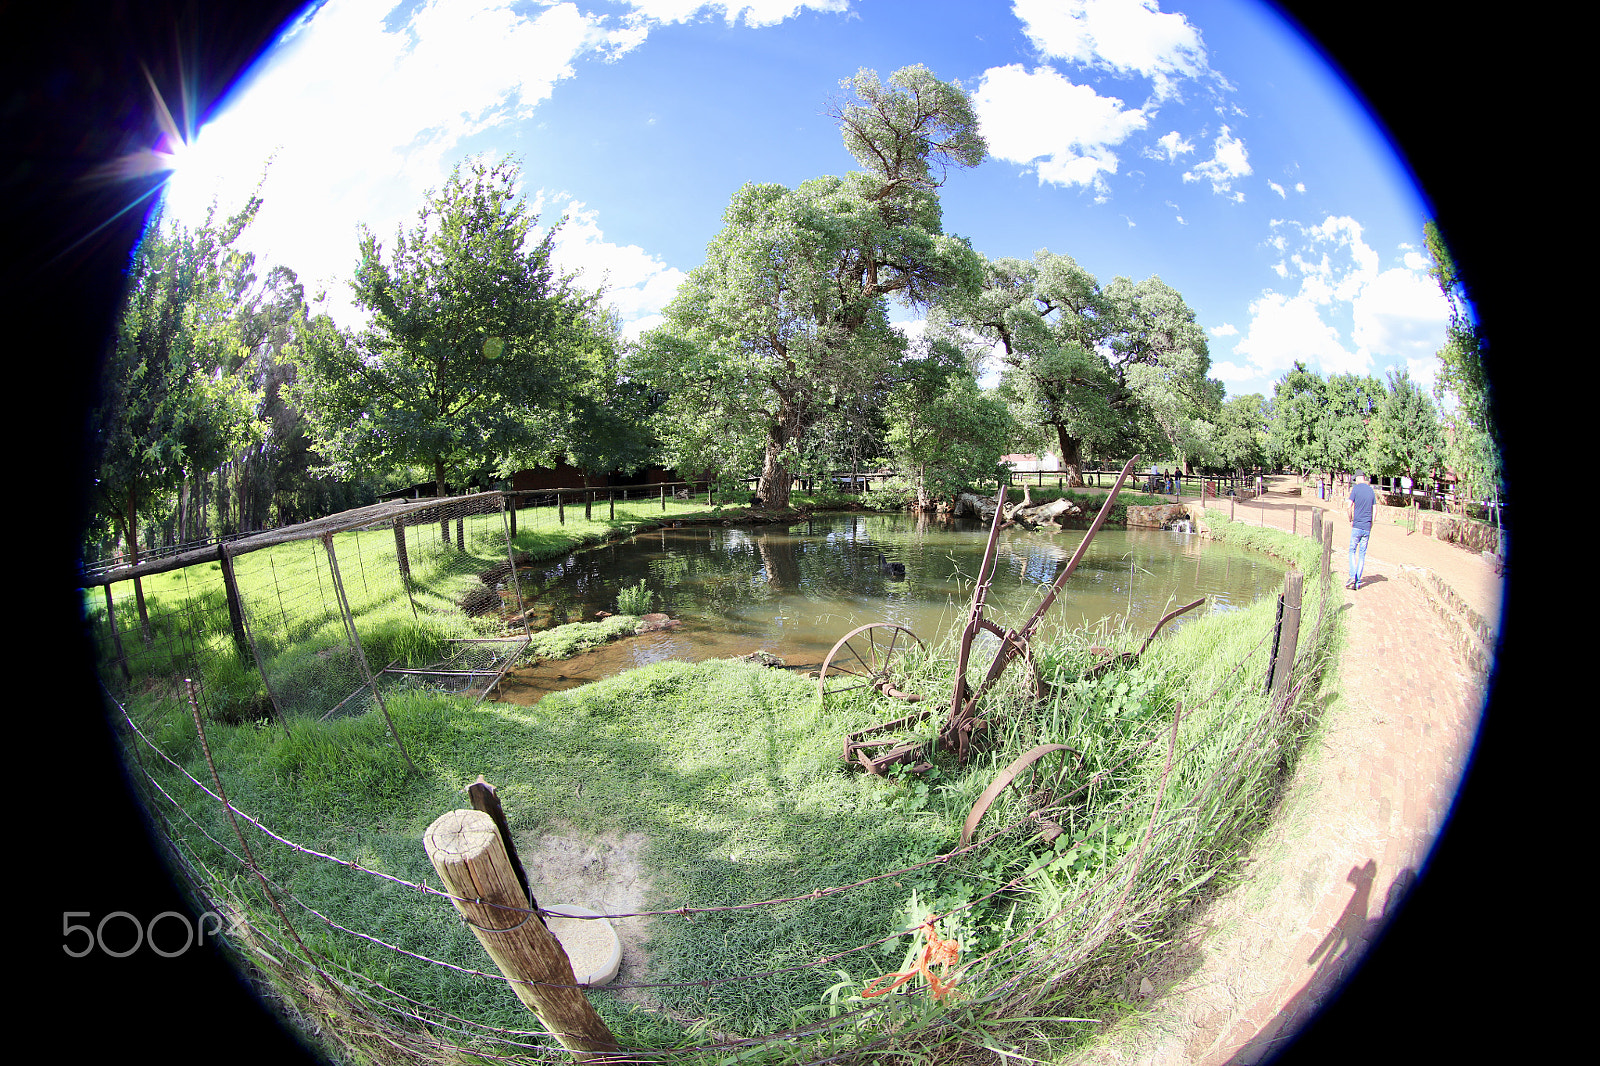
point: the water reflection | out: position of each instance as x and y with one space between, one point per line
794 591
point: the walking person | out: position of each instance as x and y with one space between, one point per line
1358 508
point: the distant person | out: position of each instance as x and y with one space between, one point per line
1359 510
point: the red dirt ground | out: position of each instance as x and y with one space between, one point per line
1358 818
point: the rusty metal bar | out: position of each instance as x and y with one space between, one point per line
957 731
975 612
1003 779
1169 616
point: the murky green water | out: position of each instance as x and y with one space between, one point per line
793 591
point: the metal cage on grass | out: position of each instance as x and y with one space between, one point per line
337 612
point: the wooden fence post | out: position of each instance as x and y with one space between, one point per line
611 498
663 499
116 637
466 850
588 506
1288 634
401 558
561 509
1327 555
230 588
1316 524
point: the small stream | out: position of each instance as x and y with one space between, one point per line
795 590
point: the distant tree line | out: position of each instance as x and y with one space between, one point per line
230 403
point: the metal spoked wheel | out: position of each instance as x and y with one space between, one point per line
870 656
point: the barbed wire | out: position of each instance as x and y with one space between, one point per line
1157 826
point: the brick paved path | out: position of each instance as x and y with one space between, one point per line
1360 815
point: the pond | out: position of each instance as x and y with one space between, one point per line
793 591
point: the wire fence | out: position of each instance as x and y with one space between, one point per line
298 913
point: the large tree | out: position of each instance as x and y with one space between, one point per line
1405 436
1343 433
1298 399
946 433
609 423
1473 448
472 353
787 319
1240 441
1102 368
167 408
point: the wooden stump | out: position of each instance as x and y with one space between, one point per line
466 850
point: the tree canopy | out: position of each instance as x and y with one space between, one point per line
788 316
1406 437
1240 441
1097 367
1474 446
167 406
474 348
945 432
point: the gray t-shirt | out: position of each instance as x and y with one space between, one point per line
1361 501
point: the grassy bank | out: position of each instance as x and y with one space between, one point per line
731 773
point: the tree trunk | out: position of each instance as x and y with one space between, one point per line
131 534
1071 458
776 478
438 494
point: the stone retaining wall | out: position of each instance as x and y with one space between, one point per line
1473 535
1470 635
1156 517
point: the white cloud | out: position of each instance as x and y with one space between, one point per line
1424 371
1230 373
1275 187
1285 329
1227 329
1346 264
1064 131
1172 146
1229 161
362 118
752 12
638 285
1125 36
1348 315
1400 313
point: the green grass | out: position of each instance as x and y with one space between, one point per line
732 774
291 609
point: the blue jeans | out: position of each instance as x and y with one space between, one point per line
1358 552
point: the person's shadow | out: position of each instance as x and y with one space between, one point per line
1335 957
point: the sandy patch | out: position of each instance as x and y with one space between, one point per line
603 873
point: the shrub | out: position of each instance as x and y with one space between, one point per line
895 494
635 600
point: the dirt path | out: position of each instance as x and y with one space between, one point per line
1359 817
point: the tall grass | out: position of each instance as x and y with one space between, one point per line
732 773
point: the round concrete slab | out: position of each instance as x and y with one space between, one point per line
589 940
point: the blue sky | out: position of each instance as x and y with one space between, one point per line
1204 142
